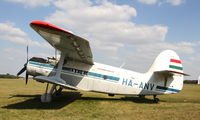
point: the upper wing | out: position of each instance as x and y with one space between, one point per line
75 47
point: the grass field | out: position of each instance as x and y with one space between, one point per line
22 102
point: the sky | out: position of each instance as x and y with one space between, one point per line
129 32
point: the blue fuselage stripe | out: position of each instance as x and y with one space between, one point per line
91 74
167 89
41 64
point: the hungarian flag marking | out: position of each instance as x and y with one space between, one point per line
175 64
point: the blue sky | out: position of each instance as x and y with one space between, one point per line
120 31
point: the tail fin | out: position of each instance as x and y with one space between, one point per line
169 61
168 72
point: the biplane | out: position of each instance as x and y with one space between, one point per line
75 69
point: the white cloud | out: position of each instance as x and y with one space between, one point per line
148 1
113 35
175 2
8 32
159 2
140 57
72 4
7 28
12 59
104 23
32 3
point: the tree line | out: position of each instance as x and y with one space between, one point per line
190 81
8 76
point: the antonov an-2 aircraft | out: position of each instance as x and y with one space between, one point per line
75 69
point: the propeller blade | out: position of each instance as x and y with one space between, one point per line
26 78
21 71
27 54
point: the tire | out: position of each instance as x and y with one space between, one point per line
156 100
45 98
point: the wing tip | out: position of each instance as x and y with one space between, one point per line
48 26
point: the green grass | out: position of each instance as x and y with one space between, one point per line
22 102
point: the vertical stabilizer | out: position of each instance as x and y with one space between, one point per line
167 60
167 71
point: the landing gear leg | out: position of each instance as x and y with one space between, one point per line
58 92
141 96
156 100
47 97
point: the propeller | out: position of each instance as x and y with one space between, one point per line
25 67
22 70
26 78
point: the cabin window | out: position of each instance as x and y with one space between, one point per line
85 72
105 77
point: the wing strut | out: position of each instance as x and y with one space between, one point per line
55 79
59 69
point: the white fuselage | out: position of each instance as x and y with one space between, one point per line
80 72
106 79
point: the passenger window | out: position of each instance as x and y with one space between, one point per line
105 77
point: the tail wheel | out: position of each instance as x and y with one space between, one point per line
156 100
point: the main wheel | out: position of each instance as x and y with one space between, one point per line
46 97
156 100
141 96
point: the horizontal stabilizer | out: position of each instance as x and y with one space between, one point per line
170 73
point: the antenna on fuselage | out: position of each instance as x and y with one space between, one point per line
122 65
